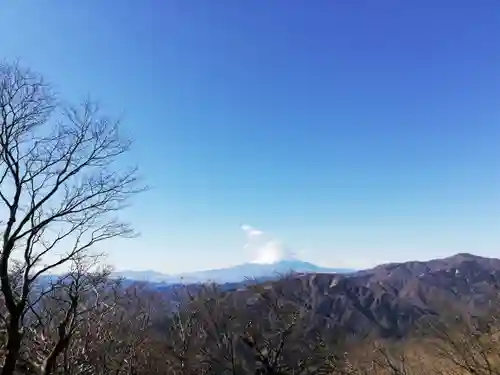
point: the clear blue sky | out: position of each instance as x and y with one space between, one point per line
355 132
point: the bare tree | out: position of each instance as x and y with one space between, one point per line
261 329
61 313
467 344
60 186
390 362
289 338
125 340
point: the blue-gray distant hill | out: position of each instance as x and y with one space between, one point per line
232 274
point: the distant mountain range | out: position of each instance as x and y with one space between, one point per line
387 300
384 301
231 274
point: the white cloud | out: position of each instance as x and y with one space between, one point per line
250 231
263 248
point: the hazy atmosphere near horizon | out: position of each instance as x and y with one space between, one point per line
341 133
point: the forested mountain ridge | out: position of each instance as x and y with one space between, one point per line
389 299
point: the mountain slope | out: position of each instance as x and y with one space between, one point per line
389 299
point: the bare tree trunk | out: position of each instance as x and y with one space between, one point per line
51 361
13 346
14 337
